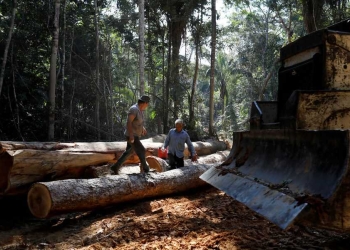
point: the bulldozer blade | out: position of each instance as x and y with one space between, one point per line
271 171
275 206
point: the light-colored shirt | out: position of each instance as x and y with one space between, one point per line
137 123
176 142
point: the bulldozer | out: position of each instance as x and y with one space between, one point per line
292 165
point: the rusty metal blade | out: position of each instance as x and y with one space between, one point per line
275 206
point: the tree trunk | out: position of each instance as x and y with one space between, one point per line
8 41
63 70
71 93
46 199
21 166
212 68
168 82
142 45
267 79
156 163
192 123
53 79
160 165
202 148
98 93
312 11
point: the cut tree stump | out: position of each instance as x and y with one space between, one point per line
31 162
46 199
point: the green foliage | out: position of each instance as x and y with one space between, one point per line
246 52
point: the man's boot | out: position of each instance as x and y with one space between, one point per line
144 169
115 168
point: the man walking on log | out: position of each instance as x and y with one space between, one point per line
134 130
175 141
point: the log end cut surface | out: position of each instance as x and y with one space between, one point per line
157 163
39 200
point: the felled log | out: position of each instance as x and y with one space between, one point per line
156 163
46 199
20 168
55 161
202 148
161 165
101 147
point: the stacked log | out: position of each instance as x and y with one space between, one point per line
24 163
157 164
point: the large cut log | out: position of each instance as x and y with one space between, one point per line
156 163
102 147
161 165
46 199
201 147
21 167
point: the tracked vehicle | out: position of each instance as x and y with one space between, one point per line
293 163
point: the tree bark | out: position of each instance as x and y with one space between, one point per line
46 199
212 68
97 76
156 163
63 70
192 122
161 165
202 148
142 46
53 78
312 11
32 162
21 168
8 41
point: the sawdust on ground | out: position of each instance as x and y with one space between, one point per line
200 219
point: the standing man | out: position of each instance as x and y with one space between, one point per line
176 139
134 130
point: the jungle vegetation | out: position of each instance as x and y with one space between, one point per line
70 69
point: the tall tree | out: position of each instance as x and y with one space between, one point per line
194 82
142 46
63 62
197 32
312 11
53 66
97 75
8 41
212 68
178 13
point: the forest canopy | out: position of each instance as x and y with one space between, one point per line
71 68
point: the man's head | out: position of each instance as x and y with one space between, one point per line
179 125
143 102
144 98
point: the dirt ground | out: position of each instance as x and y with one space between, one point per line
200 219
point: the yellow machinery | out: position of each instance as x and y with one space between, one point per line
293 163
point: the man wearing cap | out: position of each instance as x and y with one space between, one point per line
175 141
134 130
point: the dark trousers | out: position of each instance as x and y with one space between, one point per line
136 147
175 162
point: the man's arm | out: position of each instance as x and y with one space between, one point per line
191 148
131 117
167 140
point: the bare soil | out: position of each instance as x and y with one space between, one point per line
200 219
